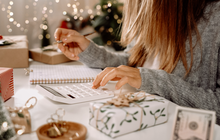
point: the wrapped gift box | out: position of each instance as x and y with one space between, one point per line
115 121
6 83
15 55
48 57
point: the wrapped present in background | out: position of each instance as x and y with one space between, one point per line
6 83
15 53
7 131
48 55
121 116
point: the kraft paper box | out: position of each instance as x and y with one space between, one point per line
15 55
6 83
48 57
115 121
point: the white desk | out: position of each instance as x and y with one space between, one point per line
79 113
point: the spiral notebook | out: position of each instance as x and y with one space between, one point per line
55 74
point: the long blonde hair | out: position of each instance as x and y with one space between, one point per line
161 27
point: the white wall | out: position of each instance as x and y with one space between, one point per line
21 14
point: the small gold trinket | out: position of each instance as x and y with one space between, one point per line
52 133
58 126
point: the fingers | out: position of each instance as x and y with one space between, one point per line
73 51
81 41
61 47
70 51
69 47
59 32
114 73
123 74
99 77
67 35
121 82
71 38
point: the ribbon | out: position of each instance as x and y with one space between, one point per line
124 99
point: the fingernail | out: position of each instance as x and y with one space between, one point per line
72 55
65 39
93 84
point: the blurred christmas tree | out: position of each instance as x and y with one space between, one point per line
45 34
107 24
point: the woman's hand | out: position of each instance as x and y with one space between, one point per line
122 74
73 43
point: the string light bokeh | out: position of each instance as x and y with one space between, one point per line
46 10
35 11
28 19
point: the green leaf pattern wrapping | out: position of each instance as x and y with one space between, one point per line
115 121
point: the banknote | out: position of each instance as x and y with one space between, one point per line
193 124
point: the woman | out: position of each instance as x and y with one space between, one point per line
173 51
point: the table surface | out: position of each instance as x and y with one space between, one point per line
79 112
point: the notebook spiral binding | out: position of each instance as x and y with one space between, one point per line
58 81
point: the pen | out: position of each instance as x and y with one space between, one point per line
60 41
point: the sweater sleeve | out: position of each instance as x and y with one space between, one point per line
98 57
181 92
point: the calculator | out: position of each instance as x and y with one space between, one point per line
74 93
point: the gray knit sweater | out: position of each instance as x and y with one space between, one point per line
200 89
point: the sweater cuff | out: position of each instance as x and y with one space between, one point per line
88 53
145 84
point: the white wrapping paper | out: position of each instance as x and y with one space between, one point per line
116 121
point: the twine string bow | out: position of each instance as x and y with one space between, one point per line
124 99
